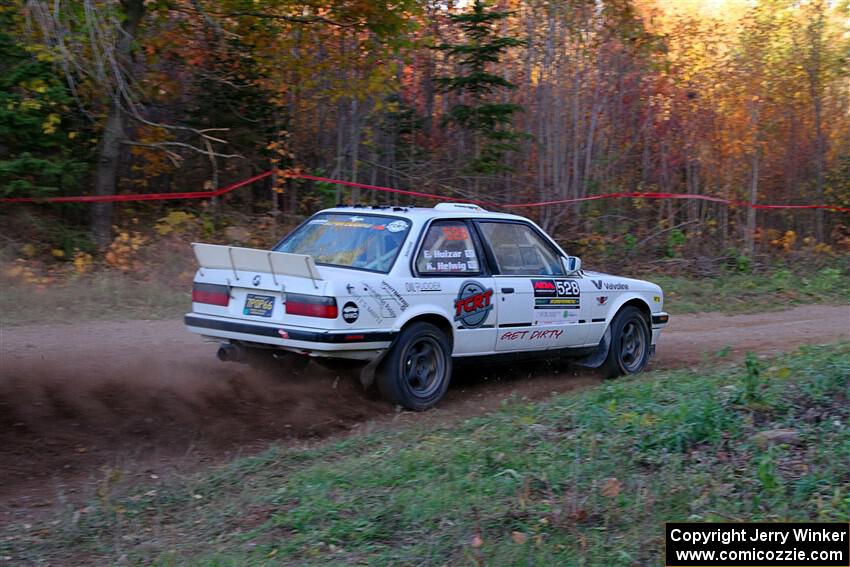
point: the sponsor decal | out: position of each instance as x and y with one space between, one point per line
350 312
557 303
599 284
472 305
402 302
602 299
348 224
415 287
531 335
357 219
455 233
318 221
555 317
656 298
375 295
397 226
556 294
283 334
555 288
374 304
544 288
257 280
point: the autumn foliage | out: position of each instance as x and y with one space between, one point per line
746 101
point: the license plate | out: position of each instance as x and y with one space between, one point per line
258 305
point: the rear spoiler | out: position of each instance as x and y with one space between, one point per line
213 256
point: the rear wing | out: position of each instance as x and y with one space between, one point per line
214 256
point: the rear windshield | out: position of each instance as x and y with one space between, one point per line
365 242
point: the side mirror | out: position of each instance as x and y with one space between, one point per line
573 264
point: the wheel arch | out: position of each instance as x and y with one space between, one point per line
436 319
642 306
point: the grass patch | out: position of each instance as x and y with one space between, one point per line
737 292
102 296
581 479
111 295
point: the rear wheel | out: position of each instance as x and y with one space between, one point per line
417 370
629 350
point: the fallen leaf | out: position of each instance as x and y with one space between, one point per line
611 488
519 537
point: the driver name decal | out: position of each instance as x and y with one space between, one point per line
473 304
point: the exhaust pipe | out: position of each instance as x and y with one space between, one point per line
231 353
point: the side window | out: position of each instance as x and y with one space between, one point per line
448 249
520 251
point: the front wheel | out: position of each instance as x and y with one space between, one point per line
629 350
417 370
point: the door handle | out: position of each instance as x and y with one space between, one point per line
507 290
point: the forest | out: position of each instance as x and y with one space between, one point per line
508 102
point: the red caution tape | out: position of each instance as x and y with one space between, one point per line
139 197
238 184
677 196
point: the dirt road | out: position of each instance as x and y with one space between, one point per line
150 398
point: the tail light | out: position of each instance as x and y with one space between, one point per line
211 293
311 306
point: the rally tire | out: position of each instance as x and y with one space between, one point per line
416 371
630 339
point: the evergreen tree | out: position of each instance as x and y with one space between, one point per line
38 155
488 120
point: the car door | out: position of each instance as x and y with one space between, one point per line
451 255
539 306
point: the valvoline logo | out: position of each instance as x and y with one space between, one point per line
473 304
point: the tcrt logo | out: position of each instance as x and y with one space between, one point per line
472 305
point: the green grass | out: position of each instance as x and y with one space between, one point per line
581 479
735 292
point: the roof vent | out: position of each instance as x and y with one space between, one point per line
459 207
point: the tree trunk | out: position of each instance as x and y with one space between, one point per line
751 212
106 176
109 151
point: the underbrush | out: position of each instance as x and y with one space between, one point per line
581 479
50 271
160 289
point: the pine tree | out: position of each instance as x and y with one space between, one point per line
489 121
38 156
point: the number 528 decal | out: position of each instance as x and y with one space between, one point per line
555 288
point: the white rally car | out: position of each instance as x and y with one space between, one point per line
407 290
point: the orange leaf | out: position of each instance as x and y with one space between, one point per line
519 537
611 488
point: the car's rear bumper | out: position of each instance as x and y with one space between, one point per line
313 341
